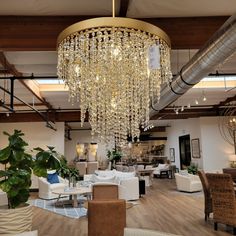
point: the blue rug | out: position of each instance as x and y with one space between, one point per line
62 209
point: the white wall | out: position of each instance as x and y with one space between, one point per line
214 150
36 135
84 136
180 128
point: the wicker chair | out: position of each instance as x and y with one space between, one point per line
207 194
223 199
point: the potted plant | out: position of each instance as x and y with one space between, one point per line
192 169
68 172
15 181
114 156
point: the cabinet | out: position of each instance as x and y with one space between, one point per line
231 171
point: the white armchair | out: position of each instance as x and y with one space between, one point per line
46 189
188 183
129 189
159 168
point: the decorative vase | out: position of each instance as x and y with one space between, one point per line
15 221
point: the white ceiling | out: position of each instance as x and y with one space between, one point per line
183 8
44 63
57 7
137 8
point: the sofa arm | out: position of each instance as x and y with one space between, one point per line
129 189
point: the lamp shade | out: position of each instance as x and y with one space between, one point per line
232 157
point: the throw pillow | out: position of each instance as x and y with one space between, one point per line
183 172
110 179
53 178
124 175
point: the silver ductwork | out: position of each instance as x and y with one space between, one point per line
217 49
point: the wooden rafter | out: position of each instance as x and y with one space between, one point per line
226 101
39 33
73 116
30 85
124 4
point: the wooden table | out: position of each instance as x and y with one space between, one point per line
74 192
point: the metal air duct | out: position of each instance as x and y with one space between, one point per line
217 49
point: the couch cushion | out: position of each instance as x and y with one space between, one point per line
163 166
53 178
124 175
105 173
110 179
57 186
183 172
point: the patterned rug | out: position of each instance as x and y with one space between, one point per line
64 208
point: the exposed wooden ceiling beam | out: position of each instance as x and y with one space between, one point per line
29 84
39 33
34 117
74 116
226 101
187 113
124 4
31 104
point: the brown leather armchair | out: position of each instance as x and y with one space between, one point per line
105 192
106 218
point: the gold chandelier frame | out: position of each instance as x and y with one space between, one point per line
117 22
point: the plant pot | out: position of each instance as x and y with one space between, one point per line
15 221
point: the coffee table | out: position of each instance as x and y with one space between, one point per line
74 192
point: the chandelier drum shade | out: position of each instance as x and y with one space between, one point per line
114 67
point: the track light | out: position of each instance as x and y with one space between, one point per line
203 96
196 102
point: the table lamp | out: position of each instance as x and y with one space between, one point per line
232 159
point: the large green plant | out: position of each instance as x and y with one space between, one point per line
192 169
15 180
114 155
66 171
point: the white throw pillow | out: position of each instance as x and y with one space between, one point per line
124 175
162 166
109 179
105 173
183 172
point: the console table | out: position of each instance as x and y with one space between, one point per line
231 171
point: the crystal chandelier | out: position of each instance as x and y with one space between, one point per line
114 68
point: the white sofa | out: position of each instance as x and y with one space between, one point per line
128 183
188 182
46 189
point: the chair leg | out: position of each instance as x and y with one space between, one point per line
205 217
215 226
234 231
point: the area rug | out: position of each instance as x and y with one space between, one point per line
62 209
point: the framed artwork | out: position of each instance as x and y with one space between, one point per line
195 148
172 154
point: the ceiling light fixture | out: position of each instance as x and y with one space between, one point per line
114 67
203 96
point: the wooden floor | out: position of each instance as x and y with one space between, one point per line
162 208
